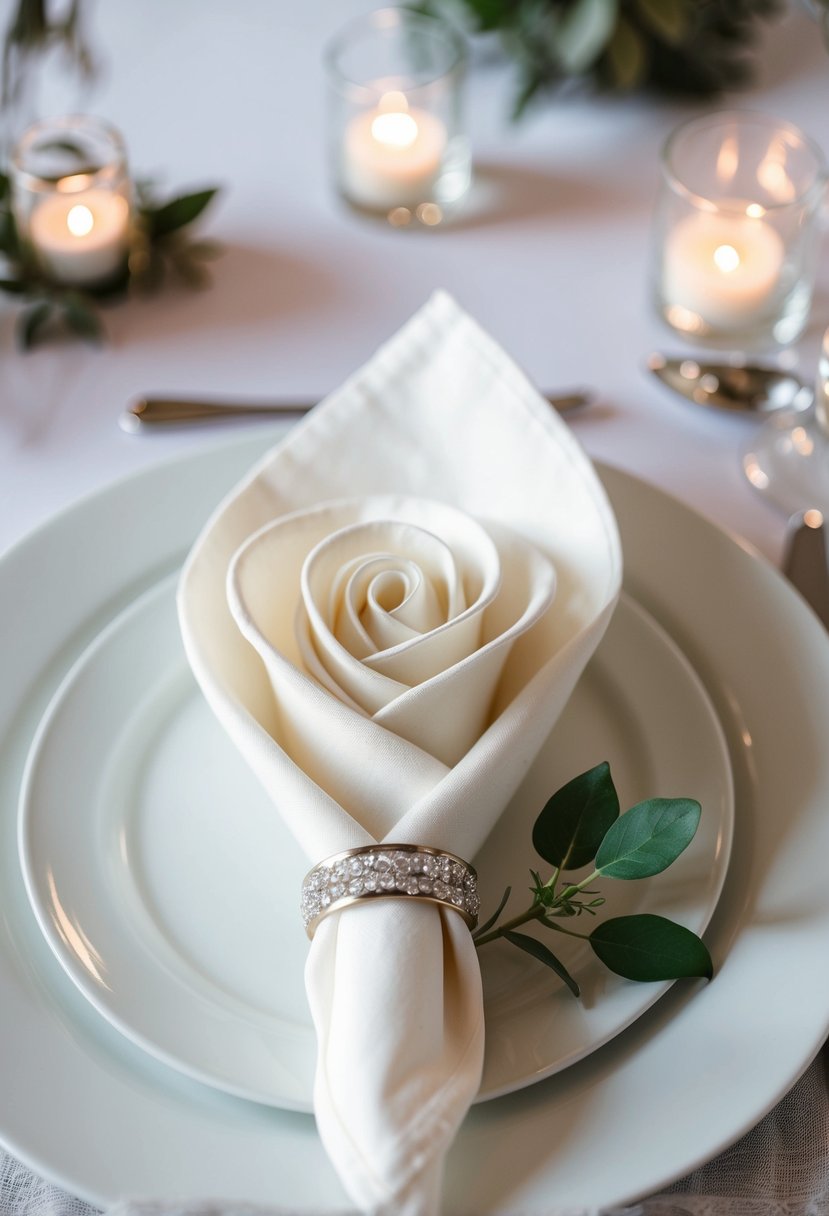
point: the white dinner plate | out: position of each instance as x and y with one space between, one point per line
87 1108
167 886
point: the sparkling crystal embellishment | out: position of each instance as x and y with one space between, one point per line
410 871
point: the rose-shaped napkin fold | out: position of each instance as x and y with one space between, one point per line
388 616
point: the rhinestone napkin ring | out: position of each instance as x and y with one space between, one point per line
378 871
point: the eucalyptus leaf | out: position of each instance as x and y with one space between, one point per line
575 820
697 46
530 82
544 955
626 57
489 14
152 273
206 251
670 20
31 322
490 921
643 841
583 32
192 273
648 837
81 318
161 221
648 948
9 239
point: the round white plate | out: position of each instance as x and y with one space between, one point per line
87 1108
167 886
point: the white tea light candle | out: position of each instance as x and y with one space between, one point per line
724 268
399 150
80 237
71 198
392 155
736 231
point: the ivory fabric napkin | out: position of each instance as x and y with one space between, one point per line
387 616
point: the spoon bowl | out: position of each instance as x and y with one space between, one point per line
748 389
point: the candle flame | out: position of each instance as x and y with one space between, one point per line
726 258
394 130
393 102
80 220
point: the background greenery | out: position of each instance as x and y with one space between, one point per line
679 46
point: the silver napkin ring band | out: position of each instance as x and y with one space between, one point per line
378 871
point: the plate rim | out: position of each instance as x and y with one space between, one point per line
40 873
219 1126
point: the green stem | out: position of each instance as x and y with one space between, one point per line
569 892
539 912
553 924
536 912
553 879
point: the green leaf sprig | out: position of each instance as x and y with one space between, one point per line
673 46
159 247
581 824
32 30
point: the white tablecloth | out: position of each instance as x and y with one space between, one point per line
550 256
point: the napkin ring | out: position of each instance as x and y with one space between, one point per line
381 871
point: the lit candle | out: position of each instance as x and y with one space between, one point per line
80 236
724 268
392 155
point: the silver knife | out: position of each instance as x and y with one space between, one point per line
151 412
805 561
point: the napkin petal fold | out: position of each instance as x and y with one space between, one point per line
402 751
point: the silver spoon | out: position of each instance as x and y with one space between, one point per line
746 389
150 412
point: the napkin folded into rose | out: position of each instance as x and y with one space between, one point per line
388 616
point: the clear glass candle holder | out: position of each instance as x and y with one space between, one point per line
736 230
787 458
398 147
71 197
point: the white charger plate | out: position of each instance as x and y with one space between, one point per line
167 886
96 1114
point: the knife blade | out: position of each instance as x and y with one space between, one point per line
805 561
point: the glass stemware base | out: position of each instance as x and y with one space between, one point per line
787 461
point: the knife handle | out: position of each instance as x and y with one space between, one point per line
805 561
151 412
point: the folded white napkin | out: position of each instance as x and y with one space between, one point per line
388 616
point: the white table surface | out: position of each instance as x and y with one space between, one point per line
550 256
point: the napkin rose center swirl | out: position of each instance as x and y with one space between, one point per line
403 623
385 625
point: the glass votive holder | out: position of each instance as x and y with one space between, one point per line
398 146
736 230
71 198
